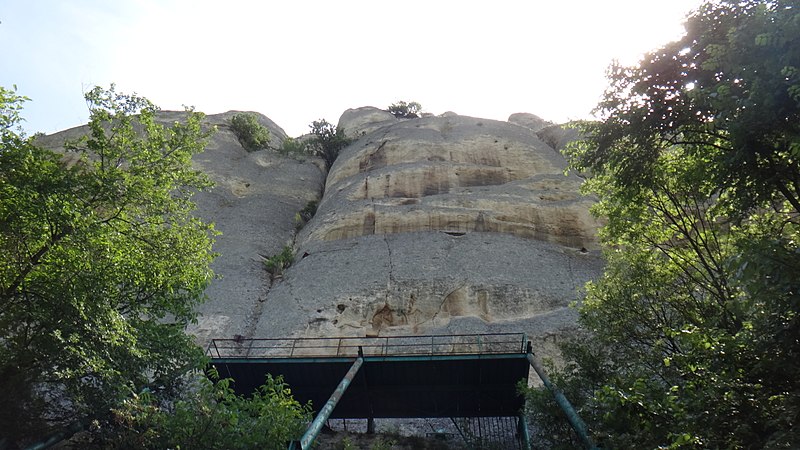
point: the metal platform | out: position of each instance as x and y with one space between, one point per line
402 376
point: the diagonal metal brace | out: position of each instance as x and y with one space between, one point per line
572 416
316 426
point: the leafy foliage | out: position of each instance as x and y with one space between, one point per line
277 263
345 444
102 261
10 108
211 416
382 444
728 92
327 141
293 146
309 210
586 369
305 214
695 333
405 110
251 134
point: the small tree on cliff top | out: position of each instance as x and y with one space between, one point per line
327 141
251 134
405 110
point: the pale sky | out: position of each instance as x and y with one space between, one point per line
298 61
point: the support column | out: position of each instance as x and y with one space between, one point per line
370 426
522 429
316 426
371 418
572 416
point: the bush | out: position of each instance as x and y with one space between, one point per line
310 209
345 444
403 110
305 214
276 264
327 141
251 134
293 146
211 416
585 370
382 444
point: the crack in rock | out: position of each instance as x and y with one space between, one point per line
391 264
444 300
255 315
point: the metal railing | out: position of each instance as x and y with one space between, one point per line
437 344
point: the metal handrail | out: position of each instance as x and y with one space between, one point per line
454 344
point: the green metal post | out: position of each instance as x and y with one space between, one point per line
325 412
572 416
523 432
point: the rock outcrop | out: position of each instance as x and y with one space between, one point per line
455 174
448 224
252 204
527 120
438 225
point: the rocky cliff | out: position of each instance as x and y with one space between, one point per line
447 224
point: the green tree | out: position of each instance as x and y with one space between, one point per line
327 141
405 110
251 134
728 92
209 415
102 262
694 333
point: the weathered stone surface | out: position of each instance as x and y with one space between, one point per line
421 282
359 121
446 224
558 136
458 174
528 120
253 204
440 225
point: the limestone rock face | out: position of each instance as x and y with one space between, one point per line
455 174
558 136
528 120
253 204
427 282
440 224
447 224
360 121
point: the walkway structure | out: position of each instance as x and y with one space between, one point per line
448 376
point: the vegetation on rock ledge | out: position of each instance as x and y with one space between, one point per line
279 262
251 134
327 141
405 110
